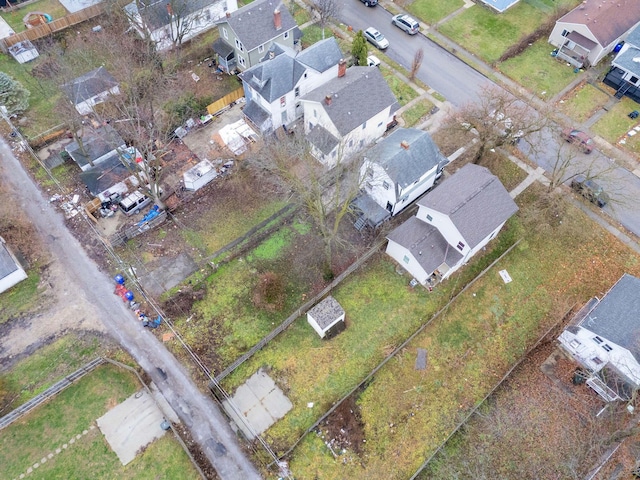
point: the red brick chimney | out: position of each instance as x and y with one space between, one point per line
228 14
277 19
404 144
169 9
342 68
327 99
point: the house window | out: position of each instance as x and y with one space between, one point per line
305 74
283 102
380 124
460 245
260 48
405 259
429 218
597 339
315 113
207 15
286 35
239 45
241 61
369 186
361 144
297 92
370 172
596 360
385 185
364 125
565 33
285 119
633 79
607 348
224 33
574 343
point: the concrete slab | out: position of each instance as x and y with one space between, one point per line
131 425
169 273
5 29
257 405
76 5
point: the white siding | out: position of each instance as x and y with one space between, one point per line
398 253
446 228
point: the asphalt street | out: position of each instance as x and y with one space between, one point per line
197 411
461 84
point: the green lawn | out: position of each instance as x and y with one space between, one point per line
52 7
313 34
403 92
487 34
416 113
583 102
615 125
408 413
509 173
72 411
20 298
537 71
432 11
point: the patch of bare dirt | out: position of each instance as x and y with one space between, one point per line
343 429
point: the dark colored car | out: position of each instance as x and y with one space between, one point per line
370 3
583 141
590 190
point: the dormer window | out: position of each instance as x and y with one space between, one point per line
607 347
260 48
286 35
597 339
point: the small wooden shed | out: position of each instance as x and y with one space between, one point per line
327 318
199 175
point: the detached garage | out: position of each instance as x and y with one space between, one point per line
327 318
11 272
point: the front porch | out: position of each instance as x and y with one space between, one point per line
576 50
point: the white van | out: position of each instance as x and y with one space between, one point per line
134 202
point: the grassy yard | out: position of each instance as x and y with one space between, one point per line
403 92
313 34
417 112
537 71
407 413
74 410
583 102
487 34
615 125
46 366
432 11
52 7
21 298
510 174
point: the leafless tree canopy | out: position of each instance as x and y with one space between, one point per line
416 63
327 10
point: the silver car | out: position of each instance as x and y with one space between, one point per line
406 23
376 38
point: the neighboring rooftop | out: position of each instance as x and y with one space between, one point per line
255 24
156 13
500 5
475 201
89 85
321 56
617 316
356 97
95 145
326 312
406 155
606 19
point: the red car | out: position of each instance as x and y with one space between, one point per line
583 141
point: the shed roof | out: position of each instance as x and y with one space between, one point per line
355 98
629 59
617 316
254 24
606 19
89 85
7 263
326 313
406 165
500 5
95 144
475 201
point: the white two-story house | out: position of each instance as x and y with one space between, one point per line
604 339
273 87
169 23
247 34
400 168
348 113
453 222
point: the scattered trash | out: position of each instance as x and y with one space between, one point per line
506 278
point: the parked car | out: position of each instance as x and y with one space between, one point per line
370 3
406 23
373 61
590 190
376 38
583 141
134 202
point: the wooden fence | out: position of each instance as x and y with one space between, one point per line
120 238
52 27
225 101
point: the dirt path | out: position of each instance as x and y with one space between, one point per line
88 288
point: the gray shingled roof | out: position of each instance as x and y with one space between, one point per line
105 174
326 312
425 243
629 59
274 78
581 40
321 56
322 139
7 264
89 85
155 12
617 316
253 24
356 97
405 166
475 201
95 144
634 37
607 20
256 113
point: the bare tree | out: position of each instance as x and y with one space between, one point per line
497 118
327 10
325 194
415 64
